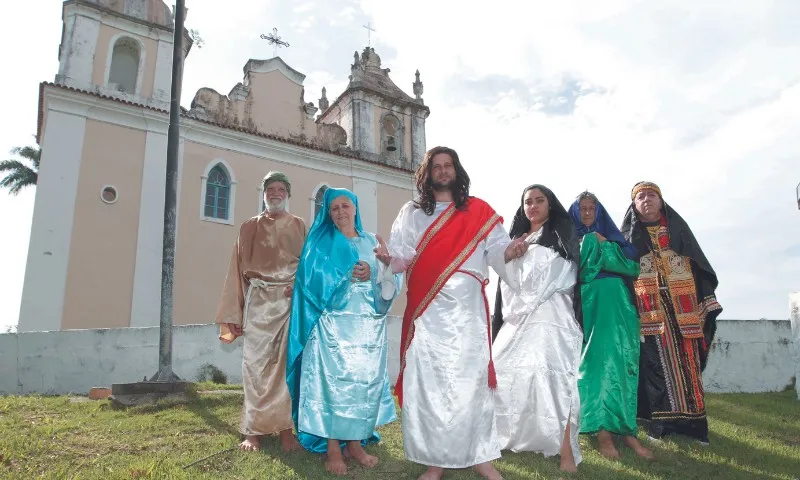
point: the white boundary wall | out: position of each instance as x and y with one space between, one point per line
748 356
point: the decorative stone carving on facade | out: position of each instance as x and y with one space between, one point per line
239 92
366 73
211 106
373 118
150 11
310 110
263 103
323 100
418 87
333 135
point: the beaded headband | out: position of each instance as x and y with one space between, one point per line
644 186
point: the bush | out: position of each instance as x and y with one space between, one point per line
209 372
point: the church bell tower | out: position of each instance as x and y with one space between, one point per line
383 123
119 48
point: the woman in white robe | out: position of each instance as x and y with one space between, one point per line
538 335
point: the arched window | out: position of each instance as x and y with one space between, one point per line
391 125
392 137
124 70
318 199
218 193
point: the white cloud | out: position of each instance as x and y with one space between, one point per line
700 99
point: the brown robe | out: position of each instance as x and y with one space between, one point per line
263 265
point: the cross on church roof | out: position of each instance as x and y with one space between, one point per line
369 28
275 41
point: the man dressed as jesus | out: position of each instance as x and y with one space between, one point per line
446 241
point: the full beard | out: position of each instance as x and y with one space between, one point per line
441 187
279 208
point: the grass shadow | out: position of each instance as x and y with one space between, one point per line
520 465
724 458
767 418
204 408
755 456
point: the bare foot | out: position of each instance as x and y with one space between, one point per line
487 470
251 443
355 450
289 442
568 466
336 466
605 445
433 473
334 463
637 447
567 459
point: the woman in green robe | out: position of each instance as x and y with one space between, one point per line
609 370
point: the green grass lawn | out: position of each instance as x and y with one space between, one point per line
752 436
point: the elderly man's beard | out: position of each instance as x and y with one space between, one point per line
280 207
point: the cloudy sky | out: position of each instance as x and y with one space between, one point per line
702 99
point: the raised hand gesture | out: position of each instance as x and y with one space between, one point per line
516 249
381 252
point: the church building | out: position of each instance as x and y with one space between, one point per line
94 259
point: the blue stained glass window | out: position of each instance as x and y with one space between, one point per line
218 189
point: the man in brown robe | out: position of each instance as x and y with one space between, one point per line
255 304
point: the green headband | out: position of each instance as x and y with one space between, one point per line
277 177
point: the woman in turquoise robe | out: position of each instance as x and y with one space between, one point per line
609 371
337 354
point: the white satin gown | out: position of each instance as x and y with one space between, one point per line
537 355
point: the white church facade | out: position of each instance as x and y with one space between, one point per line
94 259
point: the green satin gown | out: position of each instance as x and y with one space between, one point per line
609 370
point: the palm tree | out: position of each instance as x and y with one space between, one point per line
21 175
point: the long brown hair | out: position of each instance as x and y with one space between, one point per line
459 189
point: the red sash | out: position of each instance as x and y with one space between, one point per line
444 247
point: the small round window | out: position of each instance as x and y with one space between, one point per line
109 194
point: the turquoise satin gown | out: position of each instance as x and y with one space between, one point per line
344 382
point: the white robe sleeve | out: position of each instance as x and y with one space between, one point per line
513 274
389 282
496 243
402 240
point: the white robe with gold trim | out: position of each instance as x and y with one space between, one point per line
448 408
